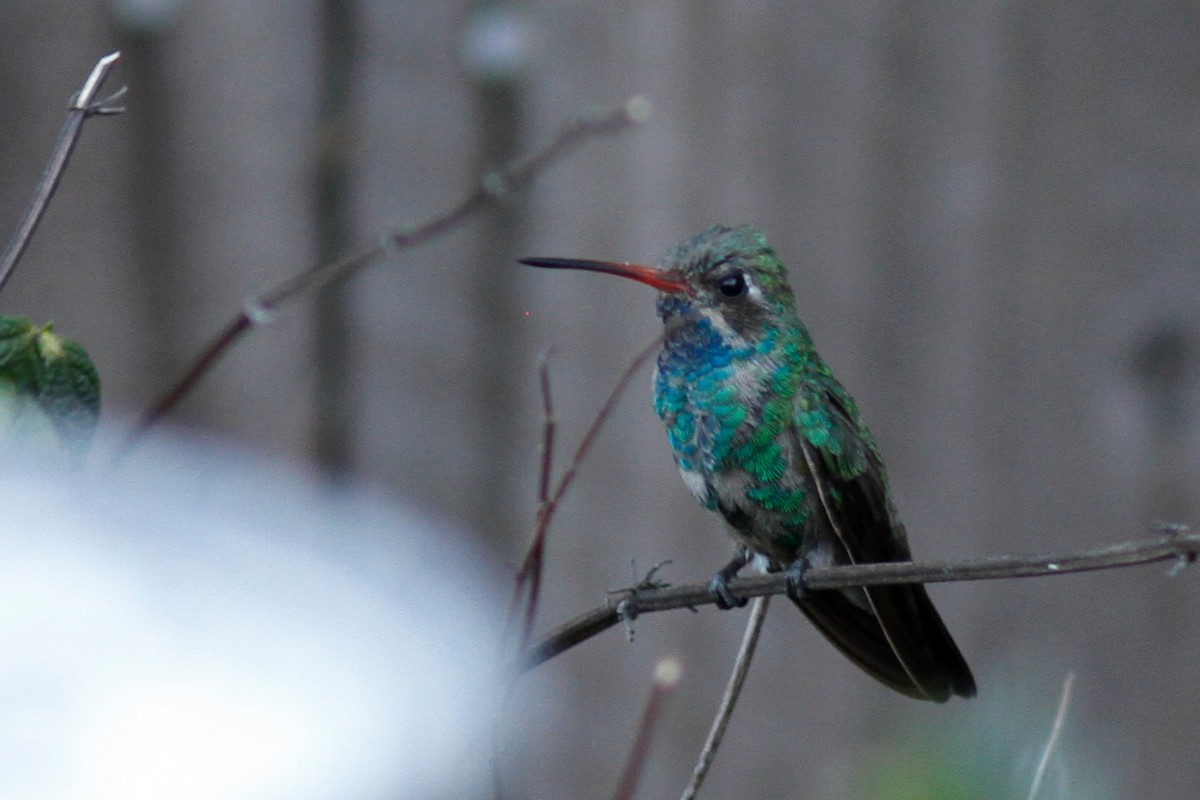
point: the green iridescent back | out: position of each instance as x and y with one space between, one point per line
736 379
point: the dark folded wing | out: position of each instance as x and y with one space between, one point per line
898 637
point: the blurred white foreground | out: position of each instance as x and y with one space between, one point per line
196 623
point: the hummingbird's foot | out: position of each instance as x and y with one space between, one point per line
796 587
718 587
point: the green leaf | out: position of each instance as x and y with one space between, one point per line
49 389
18 355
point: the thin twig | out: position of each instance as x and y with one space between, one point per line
1174 545
537 551
1055 734
493 187
667 673
593 432
83 105
549 423
741 667
530 571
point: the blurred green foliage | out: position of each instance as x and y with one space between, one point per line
49 389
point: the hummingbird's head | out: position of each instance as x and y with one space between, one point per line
728 276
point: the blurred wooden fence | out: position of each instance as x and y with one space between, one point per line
989 213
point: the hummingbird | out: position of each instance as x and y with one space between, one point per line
765 436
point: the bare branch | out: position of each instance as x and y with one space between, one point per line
667 673
733 689
83 105
530 571
1055 733
1175 544
531 567
493 187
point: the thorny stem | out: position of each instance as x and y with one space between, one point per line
83 105
492 188
1175 544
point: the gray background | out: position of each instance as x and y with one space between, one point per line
989 214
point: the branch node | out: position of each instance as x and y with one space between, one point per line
398 239
257 312
105 107
628 607
627 612
1183 562
651 580
638 109
494 186
1177 534
84 100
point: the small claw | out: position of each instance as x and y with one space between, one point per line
718 589
796 588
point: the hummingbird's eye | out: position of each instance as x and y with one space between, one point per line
732 285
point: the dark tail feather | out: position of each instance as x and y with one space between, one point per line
916 655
